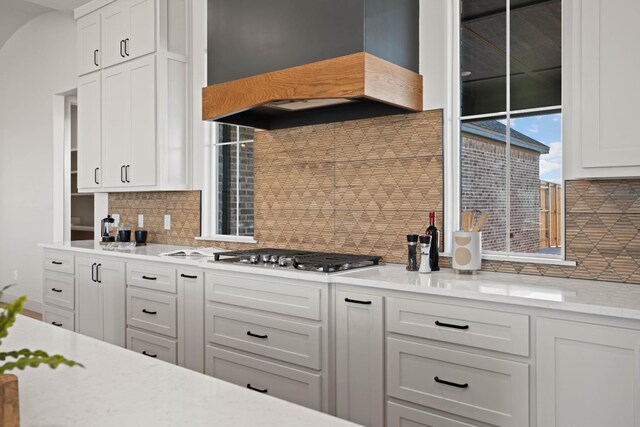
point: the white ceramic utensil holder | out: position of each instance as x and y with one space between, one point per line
467 251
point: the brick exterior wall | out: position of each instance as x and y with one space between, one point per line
483 187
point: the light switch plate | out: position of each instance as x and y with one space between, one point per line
167 222
116 219
140 220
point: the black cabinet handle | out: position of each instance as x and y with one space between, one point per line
126 173
438 380
95 175
149 278
121 48
56 323
251 334
449 325
56 262
98 268
93 272
144 310
149 354
122 174
95 58
186 276
126 46
355 301
56 290
249 386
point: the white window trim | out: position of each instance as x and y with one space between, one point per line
451 134
209 209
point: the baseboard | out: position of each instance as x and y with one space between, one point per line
34 306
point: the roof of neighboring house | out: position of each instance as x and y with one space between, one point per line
497 131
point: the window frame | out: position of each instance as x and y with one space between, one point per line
452 169
209 208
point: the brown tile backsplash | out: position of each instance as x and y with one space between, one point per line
361 186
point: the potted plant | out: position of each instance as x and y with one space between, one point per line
20 359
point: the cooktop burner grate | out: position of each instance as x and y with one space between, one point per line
330 262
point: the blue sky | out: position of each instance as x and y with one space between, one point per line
547 129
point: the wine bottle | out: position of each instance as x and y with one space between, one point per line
433 231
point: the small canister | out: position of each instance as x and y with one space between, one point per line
412 252
467 251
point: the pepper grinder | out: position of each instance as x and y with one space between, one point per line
425 248
412 252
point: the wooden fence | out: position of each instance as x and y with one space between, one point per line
550 215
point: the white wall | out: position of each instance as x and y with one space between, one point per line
37 62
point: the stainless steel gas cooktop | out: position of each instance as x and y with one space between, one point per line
322 262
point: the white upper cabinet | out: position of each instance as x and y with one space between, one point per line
89 131
89 50
133 110
128 30
599 96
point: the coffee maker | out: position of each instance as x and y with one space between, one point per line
107 225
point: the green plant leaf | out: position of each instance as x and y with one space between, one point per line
34 361
8 316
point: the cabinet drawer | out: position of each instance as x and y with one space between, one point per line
254 292
58 261
275 380
152 346
150 276
475 327
288 341
151 311
482 388
403 416
58 289
57 317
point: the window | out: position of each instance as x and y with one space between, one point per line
231 184
510 122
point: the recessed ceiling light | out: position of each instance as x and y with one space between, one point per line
465 73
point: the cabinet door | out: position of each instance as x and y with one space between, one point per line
359 358
116 123
112 281
141 168
115 31
587 375
88 36
89 299
89 131
142 28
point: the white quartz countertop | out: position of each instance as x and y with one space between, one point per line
119 387
582 296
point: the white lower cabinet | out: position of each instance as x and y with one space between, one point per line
482 388
588 375
152 311
360 358
276 380
101 299
403 416
57 317
152 346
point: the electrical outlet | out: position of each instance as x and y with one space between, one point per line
167 222
116 219
15 275
140 220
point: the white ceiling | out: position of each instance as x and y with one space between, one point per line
15 13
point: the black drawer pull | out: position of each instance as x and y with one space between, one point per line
449 325
438 380
149 278
56 290
149 354
56 324
251 334
144 310
257 389
186 276
56 262
355 301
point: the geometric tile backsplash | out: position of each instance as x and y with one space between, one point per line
360 186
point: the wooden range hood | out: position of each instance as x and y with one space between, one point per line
311 61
